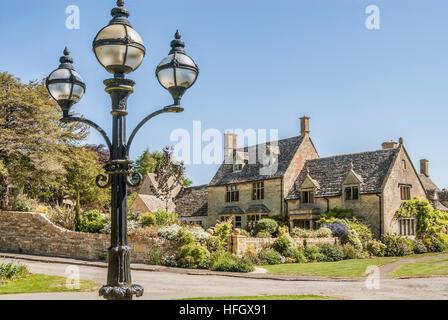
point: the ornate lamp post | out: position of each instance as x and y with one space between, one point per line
120 50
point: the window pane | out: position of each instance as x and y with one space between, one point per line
355 193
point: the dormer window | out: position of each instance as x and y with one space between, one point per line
307 196
351 193
237 167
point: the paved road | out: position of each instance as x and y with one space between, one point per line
163 285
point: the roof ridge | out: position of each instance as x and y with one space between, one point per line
279 140
352 154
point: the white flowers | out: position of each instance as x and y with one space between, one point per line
173 232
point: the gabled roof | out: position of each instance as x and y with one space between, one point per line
428 184
192 202
251 172
330 173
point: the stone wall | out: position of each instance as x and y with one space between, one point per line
33 233
239 244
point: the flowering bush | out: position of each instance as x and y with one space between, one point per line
395 245
269 256
225 261
338 229
376 248
178 233
193 255
419 246
331 252
283 243
323 232
352 238
313 253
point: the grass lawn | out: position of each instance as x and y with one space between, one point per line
344 268
430 267
278 297
43 283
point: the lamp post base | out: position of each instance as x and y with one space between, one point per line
121 293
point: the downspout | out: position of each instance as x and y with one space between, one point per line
328 203
282 214
380 200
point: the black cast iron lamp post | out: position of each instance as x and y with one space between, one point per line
120 50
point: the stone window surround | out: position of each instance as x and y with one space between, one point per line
352 193
407 226
232 193
258 191
405 191
310 196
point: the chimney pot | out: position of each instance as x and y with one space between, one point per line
389 145
304 126
424 168
230 145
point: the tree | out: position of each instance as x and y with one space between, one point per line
82 167
33 142
147 162
169 176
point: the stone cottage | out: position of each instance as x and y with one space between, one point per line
303 186
244 192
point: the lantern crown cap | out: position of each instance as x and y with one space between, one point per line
120 14
177 44
66 61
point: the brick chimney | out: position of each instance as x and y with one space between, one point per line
424 167
304 126
389 145
230 140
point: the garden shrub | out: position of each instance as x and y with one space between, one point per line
376 248
63 217
252 255
331 252
12 271
395 245
263 234
323 232
222 231
269 256
155 256
283 243
92 222
350 252
148 220
22 203
337 228
228 262
296 254
313 253
352 238
363 231
419 246
193 255
282 230
268 225
142 234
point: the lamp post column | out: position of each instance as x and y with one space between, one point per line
119 284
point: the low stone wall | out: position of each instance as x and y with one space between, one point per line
238 244
34 233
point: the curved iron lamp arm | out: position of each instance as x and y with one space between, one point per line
91 124
167 109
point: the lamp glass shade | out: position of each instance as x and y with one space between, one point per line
64 85
119 48
177 70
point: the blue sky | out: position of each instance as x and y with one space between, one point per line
263 65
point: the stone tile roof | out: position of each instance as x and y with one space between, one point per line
443 195
251 172
439 206
330 173
258 208
192 202
428 184
232 210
